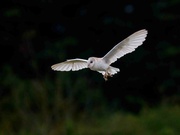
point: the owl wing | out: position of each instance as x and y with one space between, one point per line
72 64
128 45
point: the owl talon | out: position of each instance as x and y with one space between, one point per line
109 75
106 75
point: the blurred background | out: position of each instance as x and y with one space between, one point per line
143 99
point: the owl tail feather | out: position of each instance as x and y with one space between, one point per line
110 71
113 70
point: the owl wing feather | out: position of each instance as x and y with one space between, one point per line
128 45
71 64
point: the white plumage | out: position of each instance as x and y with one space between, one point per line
102 65
72 64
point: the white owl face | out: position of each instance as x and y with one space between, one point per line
91 62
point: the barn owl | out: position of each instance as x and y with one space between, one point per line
103 64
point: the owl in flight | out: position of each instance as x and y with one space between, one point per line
103 64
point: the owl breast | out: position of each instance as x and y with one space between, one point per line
100 66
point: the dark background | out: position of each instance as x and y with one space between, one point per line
37 34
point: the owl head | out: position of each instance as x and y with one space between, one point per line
91 62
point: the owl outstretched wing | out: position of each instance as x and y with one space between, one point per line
71 64
128 45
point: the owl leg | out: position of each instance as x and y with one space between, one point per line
106 75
